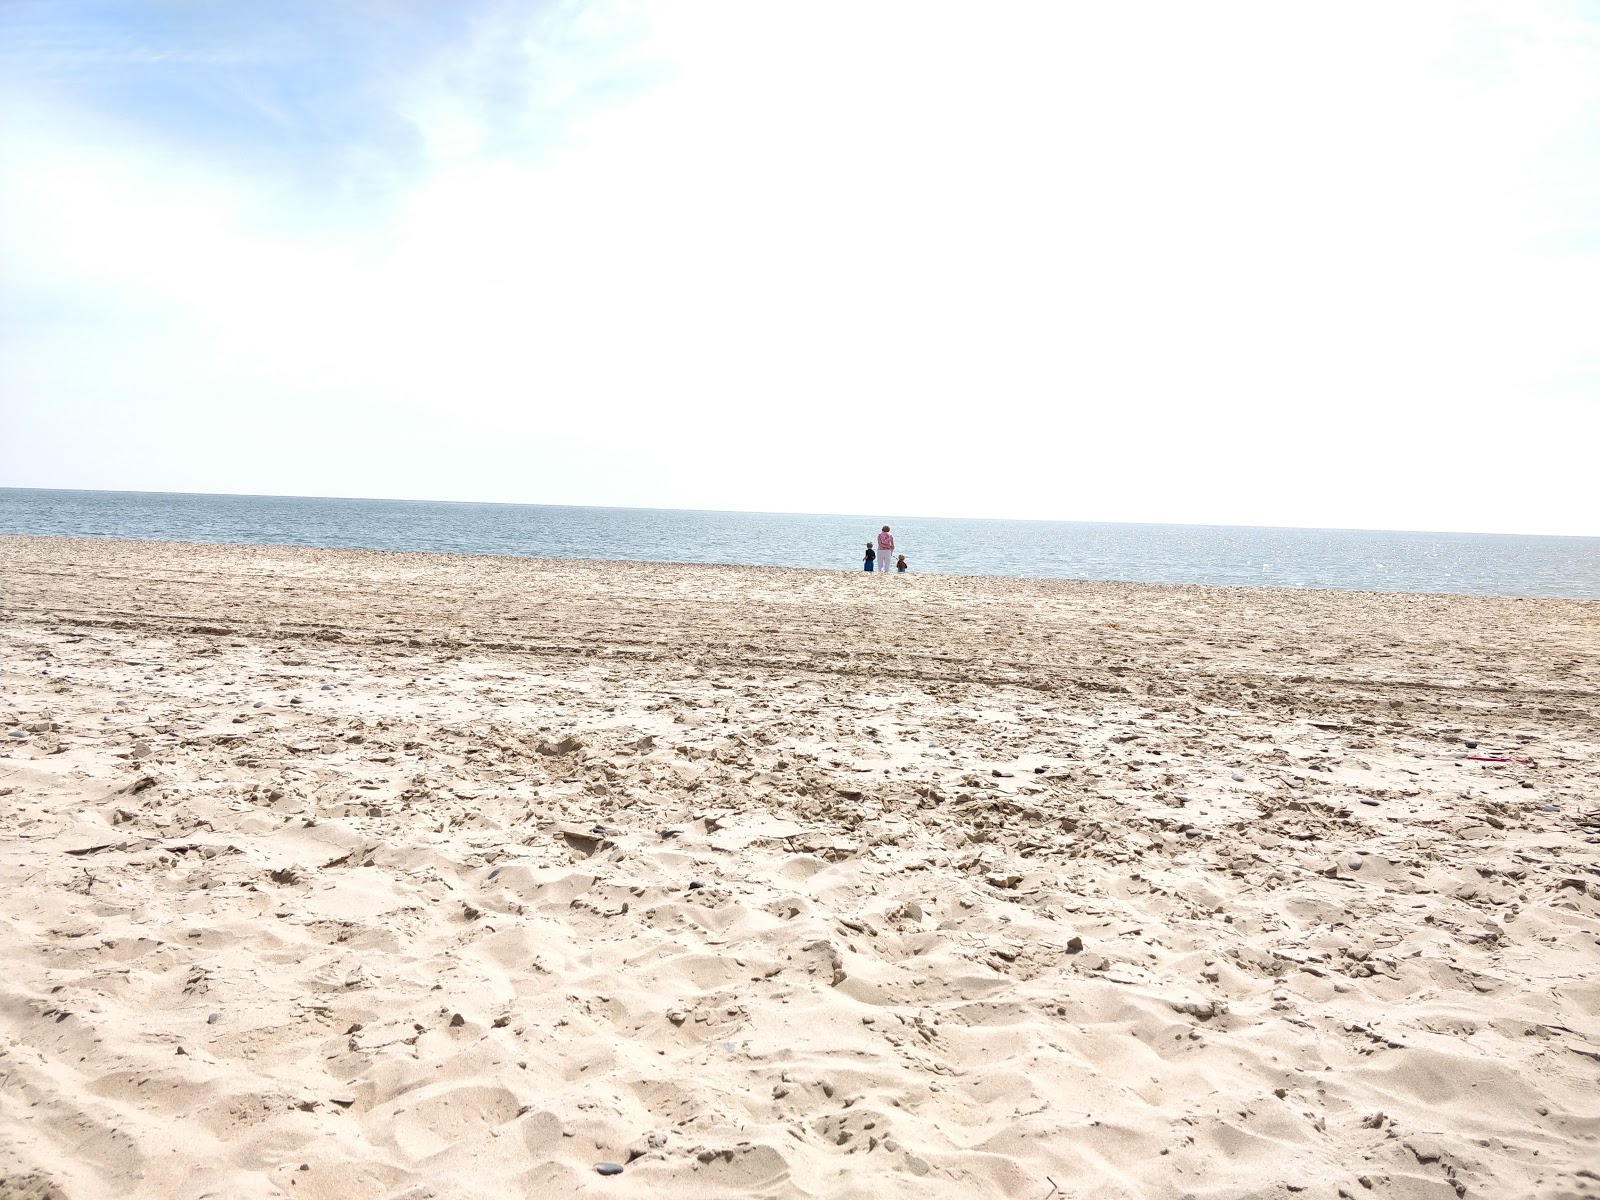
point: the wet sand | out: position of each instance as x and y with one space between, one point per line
337 874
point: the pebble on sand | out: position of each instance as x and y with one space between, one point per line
608 1168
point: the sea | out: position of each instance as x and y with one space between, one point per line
1223 555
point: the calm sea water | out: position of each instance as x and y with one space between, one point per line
1468 563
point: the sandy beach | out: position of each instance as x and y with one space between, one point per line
350 876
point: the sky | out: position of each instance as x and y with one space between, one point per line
1331 265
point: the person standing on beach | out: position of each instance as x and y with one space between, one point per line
885 549
867 562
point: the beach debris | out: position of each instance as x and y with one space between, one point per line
608 1168
1203 1009
585 841
655 1140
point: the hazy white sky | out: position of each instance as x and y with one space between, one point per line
1327 264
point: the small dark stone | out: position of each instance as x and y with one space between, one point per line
1074 944
999 774
1040 770
457 1021
1370 803
259 704
696 884
213 1018
670 833
608 1168
1470 744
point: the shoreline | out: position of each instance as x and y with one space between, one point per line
823 571
346 874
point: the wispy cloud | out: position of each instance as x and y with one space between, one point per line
698 254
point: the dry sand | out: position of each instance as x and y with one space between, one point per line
351 875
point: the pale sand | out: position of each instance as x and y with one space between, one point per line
978 886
